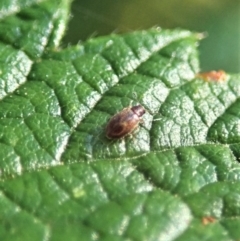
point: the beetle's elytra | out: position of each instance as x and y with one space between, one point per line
124 122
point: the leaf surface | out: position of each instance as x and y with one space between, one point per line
176 178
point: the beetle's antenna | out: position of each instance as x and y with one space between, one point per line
158 119
134 94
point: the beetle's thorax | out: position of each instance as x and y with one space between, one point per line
138 110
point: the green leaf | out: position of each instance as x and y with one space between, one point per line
177 178
34 28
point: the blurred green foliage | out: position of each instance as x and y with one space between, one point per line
219 19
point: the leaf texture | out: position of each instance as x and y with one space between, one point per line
176 178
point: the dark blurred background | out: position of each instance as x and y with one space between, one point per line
220 19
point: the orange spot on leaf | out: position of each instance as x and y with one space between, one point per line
208 219
215 76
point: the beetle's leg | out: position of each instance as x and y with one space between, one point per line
141 122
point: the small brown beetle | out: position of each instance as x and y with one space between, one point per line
124 122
